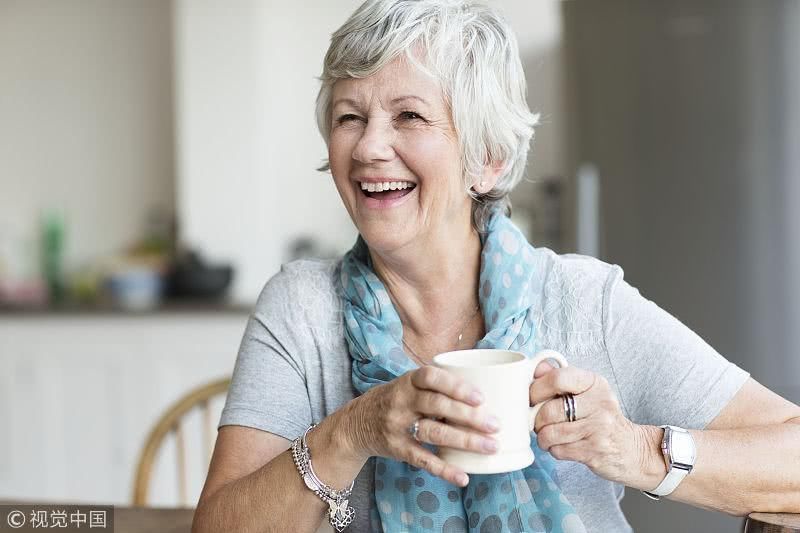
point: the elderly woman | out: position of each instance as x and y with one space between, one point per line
335 411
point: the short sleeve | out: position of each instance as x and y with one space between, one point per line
665 372
268 387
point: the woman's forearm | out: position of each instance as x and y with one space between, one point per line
737 471
267 500
274 498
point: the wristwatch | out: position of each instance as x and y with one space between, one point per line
679 454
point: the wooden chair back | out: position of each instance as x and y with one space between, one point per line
171 424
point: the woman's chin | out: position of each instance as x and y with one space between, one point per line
384 237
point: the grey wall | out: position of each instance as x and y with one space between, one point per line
688 110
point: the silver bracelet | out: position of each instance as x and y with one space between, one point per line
339 514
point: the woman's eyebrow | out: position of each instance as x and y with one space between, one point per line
349 101
401 99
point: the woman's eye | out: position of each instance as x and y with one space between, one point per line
347 118
410 115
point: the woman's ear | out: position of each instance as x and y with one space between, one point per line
491 173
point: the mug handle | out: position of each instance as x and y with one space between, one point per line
534 362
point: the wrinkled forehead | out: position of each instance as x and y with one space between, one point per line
402 77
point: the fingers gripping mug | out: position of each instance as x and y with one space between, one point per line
504 377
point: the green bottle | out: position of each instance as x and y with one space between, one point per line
52 255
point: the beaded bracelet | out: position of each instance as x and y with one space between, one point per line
339 514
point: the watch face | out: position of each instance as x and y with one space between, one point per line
682 447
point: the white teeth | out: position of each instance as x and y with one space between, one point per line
385 186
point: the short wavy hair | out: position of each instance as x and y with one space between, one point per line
474 54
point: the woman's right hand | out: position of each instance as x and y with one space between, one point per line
378 421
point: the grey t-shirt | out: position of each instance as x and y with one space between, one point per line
293 366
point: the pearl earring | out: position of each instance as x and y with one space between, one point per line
482 183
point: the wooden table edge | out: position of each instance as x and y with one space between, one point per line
777 519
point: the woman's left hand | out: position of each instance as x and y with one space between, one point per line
602 437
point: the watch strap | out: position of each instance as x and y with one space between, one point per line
669 483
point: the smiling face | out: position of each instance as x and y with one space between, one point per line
396 160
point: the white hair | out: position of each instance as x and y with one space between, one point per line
474 54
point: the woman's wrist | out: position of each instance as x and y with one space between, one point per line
352 431
652 467
333 458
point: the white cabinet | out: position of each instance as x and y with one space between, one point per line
78 395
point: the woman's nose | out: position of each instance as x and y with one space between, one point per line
375 143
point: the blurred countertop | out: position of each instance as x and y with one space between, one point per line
168 307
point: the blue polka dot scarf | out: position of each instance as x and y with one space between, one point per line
411 499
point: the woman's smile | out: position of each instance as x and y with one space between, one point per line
384 193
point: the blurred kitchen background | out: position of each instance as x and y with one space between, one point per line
157 166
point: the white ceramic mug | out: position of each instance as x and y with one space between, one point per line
504 377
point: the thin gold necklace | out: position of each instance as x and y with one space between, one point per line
460 335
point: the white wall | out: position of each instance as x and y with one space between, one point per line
247 141
85 121
248 144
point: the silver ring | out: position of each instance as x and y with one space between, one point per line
569 407
413 430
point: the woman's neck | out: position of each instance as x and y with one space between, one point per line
434 288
